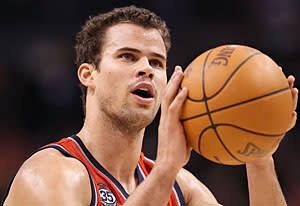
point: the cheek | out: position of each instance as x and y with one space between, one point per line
113 84
114 77
107 83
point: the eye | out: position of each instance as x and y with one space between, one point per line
127 57
156 63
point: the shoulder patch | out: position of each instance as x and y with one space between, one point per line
107 197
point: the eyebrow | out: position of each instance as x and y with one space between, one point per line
138 51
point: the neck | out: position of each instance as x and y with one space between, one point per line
109 144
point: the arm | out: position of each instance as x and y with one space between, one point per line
264 188
49 178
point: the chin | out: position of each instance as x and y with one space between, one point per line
138 117
140 120
144 119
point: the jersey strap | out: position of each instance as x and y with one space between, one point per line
67 154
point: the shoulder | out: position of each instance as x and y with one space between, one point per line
194 191
49 176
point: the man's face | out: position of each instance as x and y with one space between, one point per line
132 75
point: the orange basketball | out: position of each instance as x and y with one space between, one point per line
239 104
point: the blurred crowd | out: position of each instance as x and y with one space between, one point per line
40 97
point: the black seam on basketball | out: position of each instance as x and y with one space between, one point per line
209 115
236 104
226 82
204 95
250 131
237 127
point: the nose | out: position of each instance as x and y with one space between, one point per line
144 69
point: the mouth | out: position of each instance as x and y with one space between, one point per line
144 92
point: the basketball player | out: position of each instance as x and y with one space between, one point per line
121 57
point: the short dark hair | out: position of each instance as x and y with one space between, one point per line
90 40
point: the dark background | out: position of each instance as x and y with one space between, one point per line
40 97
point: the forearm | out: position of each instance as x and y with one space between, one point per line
156 189
264 188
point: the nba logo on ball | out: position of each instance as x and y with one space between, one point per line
238 107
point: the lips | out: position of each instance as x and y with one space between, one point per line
144 90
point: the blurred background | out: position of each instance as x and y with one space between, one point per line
40 98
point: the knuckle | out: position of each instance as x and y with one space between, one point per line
166 97
172 108
181 95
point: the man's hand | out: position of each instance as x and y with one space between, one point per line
173 151
173 148
294 91
261 173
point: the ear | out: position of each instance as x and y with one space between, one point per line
85 75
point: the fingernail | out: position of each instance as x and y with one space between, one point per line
184 89
178 68
180 73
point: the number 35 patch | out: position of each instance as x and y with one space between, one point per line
107 197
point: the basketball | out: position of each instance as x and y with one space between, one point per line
239 104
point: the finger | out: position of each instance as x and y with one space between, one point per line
177 69
164 104
176 105
295 97
293 120
172 87
291 80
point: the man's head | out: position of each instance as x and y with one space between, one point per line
90 41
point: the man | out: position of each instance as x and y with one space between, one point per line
122 57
